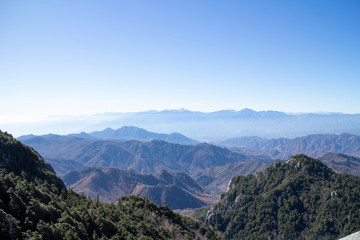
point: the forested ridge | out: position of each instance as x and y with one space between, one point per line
298 199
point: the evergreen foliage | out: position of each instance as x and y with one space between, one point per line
299 199
21 159
35 205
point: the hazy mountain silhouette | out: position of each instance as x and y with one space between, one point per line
145 157
313 145
213 126
124 134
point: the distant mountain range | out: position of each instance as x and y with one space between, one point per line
214 126
174 189
112 148
297 199
68 153
34 204
312 145
124 134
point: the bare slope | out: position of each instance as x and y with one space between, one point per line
176 190
342 163
216 179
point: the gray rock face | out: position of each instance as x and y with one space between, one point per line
354 236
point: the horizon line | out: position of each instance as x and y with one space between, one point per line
37 118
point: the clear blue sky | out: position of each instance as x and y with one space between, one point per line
86 57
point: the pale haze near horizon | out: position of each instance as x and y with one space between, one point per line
88 57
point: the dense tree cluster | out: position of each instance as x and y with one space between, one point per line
299 199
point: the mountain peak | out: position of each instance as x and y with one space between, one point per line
309 166
248 110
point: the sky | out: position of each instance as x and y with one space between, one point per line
86 57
